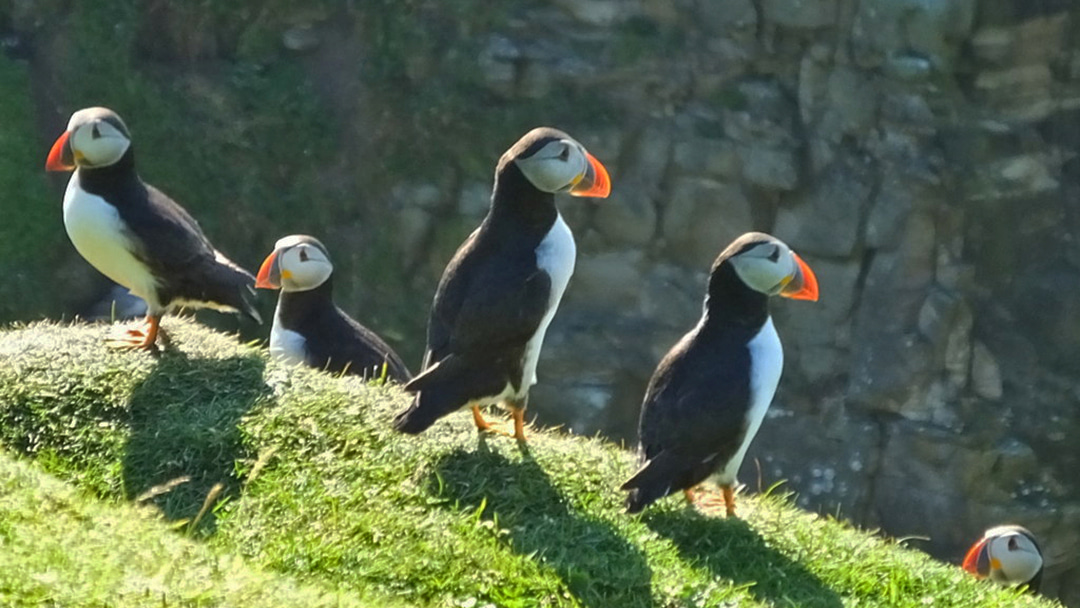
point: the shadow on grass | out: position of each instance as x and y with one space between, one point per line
184 423
597 565
732 550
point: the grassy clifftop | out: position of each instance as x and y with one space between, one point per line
316 487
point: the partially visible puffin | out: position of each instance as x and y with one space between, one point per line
501 289
134 234
709 394
308 328
1007 555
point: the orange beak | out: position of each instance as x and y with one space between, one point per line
804 285
269 276
60 156
975 555
596 182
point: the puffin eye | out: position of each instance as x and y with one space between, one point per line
303 255
775 255
94 133
1012 544
565 154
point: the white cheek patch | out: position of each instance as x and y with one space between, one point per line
303 274
103 150
763 274
1017 565
309 274
549 172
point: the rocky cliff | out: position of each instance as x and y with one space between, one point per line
922 156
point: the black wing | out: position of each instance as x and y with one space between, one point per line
695 405
487 302
339 343
693 419
177 251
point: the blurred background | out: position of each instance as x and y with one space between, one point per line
921 155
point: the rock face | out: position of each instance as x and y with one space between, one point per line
922 156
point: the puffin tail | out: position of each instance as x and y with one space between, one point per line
418 418
245 283
443 388
248 299
241 292
228 285
433 398
652 482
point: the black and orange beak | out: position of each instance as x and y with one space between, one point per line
61 157
595 182
977 560
269 276
803 286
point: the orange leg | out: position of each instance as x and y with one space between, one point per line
518 413
729 500
478 418
708 502
483 425
690 495
143 338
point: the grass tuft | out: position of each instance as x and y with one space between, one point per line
317 486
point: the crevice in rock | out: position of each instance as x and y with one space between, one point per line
867 511
664 192
868 253
865 264
759 12
846 14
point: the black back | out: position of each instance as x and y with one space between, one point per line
169 241
334 341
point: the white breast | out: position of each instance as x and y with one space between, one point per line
766 363
555 255
286 345
100 236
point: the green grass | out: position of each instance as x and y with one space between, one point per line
60 547
318 487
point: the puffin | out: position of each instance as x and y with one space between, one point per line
501 289
308 328
708 395
137 236
1007 555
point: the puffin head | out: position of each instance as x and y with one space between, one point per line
298 263
767 265
554 162
1007 555
95 137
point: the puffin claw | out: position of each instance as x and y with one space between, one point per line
518 414
143 337
484 426
709 503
